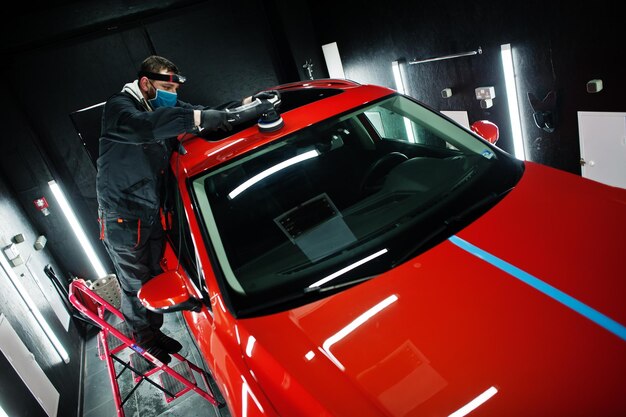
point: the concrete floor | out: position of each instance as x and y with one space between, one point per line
147 400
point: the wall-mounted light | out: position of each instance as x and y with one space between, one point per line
333 60
34 310
397 76
77 229
511 94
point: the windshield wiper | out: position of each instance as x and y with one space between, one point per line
294 296
446 224
268 305
488 199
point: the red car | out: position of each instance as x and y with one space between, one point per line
367 256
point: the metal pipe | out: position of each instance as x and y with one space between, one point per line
477 52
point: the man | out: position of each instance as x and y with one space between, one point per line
139 129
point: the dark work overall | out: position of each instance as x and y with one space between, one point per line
135 148
135 246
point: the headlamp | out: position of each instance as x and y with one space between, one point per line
172 78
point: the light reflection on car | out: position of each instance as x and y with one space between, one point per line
374 258
335 201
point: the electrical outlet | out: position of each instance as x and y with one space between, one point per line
13 255
485 93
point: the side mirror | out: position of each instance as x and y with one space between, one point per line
166 293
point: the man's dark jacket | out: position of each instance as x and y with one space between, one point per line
135 147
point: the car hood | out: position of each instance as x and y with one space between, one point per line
523 309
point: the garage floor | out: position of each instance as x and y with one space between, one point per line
146 400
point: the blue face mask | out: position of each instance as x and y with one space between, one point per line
163 99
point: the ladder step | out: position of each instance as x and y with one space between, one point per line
183 369
141 364
172 384
113 341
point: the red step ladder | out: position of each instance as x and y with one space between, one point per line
113 338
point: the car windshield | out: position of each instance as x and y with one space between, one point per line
343 201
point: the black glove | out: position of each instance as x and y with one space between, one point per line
273 96
215 120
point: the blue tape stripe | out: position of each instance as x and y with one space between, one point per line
565 299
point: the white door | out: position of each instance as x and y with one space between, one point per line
603 146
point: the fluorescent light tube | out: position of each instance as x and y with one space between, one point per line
77 228
511 94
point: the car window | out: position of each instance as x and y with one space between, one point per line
391 125
345 200
395 120
180 239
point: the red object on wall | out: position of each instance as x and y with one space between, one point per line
487 130
42 205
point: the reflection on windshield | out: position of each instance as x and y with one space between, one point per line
347 268
327 202
272 170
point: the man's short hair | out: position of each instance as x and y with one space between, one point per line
157 64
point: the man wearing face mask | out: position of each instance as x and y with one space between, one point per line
140 125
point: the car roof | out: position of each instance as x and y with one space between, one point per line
294 95
302 104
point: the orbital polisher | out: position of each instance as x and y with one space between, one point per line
263 110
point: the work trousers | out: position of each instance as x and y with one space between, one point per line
135 246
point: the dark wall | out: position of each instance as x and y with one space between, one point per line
225 49
75 54
15 397
297 37
231 49
557 46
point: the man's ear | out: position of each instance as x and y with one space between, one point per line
143 84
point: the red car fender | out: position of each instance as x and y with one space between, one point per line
215 334
294 399
217 338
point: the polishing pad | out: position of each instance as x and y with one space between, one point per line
270 121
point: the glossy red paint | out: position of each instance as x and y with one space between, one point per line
164 291
321 83
431 335
454 325
216 330
202 154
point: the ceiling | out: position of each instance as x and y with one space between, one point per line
33 26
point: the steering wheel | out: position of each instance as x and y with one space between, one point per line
372 180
